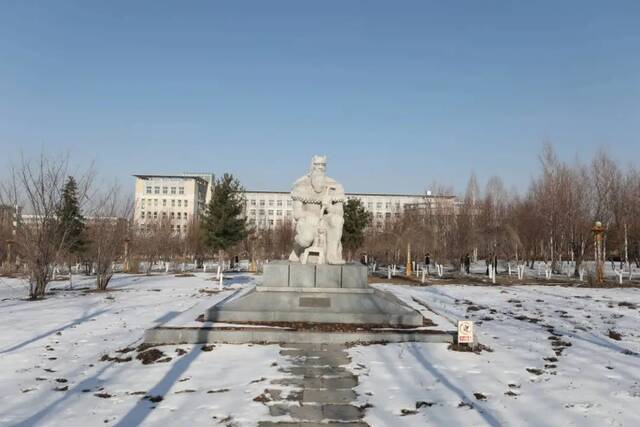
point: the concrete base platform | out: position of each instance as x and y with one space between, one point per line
243 335
316 305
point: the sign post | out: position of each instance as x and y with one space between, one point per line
465 332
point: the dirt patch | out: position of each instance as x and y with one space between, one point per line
336 327
107 358
535 371
154 399
424 404
220 390
480 396
103 395
181 351
209 347
184 275
152 355
405 412
615 335
470 348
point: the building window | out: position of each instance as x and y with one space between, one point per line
173 190
173 215
279 221
253 212
156 190
142 203
370 206
179 203
155 202
379 215
155 215
261 202
270 202
270 222
164 215
165 190
185 216
279 203
388 215
173 203
179 215
178 228
186 203
289 203
164 202
387 206
261 211
142 214
270 211
288 213
397 206
379 205
149 190
279 212
253 202
180 190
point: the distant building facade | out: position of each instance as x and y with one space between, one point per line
174 199
180 199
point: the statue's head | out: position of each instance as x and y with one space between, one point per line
317 172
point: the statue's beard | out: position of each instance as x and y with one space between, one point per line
317 181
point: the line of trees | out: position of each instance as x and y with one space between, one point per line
53 218
551 222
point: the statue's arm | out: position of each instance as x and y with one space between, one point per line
336 208
298 212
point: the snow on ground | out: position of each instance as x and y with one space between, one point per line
553 362
57 343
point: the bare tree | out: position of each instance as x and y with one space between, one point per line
107 229
34 189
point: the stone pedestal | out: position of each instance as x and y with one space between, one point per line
293 292
295 275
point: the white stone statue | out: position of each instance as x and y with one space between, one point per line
318 211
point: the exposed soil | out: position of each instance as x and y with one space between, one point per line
150 356
333 327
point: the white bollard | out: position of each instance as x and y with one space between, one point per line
204 268
166 267
389 272
620 273
219 276
423 274
581 273
509 264
220 283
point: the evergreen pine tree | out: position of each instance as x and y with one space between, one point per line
356 219
70 220
223 224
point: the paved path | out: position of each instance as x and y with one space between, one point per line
316 390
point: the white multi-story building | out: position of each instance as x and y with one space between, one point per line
181 199
175 199
271 208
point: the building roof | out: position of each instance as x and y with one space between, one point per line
150 176
362 194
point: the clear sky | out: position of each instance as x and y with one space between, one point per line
397 94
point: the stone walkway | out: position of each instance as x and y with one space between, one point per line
316 391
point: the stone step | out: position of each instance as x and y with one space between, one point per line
316 371
319 383
310 424
331 360
318 412
342 396
313 347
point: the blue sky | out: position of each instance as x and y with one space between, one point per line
397 94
